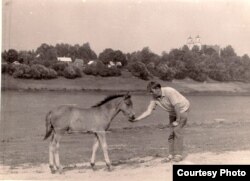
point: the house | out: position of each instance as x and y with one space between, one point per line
78 62
118 64
92 62
64 59
114 64
16 63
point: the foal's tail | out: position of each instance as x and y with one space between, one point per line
49 127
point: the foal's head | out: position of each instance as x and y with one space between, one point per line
126 106
121 103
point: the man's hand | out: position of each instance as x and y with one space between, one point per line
175 123
133 120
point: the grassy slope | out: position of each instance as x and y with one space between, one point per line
126 144
126 82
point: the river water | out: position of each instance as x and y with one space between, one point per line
23 113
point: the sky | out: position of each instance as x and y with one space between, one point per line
126 25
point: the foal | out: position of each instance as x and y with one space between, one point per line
95 120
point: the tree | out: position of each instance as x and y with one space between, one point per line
26 57
138 69
62 50
195 49
206 50
12 56
228 52
85 52
185 48
147 56
246 58
46 52
112 55
165 72
106 55
177 54
118 56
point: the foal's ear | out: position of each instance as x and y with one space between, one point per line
127 95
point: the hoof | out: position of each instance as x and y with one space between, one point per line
109 167
52 169
60 171
93 166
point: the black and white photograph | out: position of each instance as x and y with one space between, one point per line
103 90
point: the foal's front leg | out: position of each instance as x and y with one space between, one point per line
95 147
52 147
103 142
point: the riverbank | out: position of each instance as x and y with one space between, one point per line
124 83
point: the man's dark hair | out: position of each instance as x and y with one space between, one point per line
153 85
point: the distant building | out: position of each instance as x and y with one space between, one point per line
111 64
64 59
16 63
78 62
194 42
114 64
118 64
190 42
197 41
92 62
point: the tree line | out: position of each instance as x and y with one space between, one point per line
199 64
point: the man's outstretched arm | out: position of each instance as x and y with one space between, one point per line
145 114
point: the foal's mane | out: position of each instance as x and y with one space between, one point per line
107 99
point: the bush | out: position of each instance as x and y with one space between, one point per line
72 72
78 71
100 69
219 72
113 71
41 72
52 74
199 72
22 71
219 75
198 76
165 72
44 62
38 71
35 71
152 69
180 70
59 68
9 68
87 70
138 69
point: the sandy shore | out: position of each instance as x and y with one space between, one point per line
146 169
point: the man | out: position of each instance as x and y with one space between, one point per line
177 106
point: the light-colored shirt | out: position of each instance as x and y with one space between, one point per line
170 97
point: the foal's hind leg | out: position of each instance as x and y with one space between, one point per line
57 139
51 155
95 147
